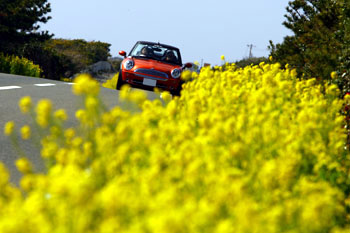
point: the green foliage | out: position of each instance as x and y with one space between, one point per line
251 61
80 52
344 67
54 65
21 66
20 36
115 62
63 58
317 43
19 23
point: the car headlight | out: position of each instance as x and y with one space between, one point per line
128 64
176 73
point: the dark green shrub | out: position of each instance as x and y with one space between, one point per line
54 65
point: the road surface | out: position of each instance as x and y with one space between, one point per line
14 87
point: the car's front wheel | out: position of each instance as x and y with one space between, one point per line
120 82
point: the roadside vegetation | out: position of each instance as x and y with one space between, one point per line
111 83
253 149
58 58
21 66
319 43
251 61
261 146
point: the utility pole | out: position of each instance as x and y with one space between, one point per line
250 46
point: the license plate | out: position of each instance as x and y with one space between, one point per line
149 82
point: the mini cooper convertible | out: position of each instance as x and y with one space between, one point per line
151 65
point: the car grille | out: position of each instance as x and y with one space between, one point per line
152 72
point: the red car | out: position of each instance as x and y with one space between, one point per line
151 65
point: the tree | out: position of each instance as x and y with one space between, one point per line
316 46
19 23
344 33
81 53
53 64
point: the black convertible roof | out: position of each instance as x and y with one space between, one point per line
154 43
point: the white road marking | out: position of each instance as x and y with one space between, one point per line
38 85
9 87
45 84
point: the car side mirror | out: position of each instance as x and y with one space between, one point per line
122 53
188 65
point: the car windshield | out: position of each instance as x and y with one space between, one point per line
157 52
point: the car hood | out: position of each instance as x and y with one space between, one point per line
153 64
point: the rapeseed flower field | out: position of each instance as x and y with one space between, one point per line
242 150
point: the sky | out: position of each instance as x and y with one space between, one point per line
202 30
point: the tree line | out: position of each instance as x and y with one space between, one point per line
319 45
20 36
320 41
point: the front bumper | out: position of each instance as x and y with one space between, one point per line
143 80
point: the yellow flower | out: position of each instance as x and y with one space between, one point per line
69 133
85 85
81 83
294 73
23 165
61 115
242 139
347 97
43 111
4 175
222 57
88 148
166 96
334 75
25 104
138 97
27 183
91 103
9 127
25 132
81 115
49 149
186 75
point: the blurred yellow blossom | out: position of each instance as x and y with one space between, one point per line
61 114
334 75
251 149
9 127
85 85
23 165
25 132
25 104
43 111
166 96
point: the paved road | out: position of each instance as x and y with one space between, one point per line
14 87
